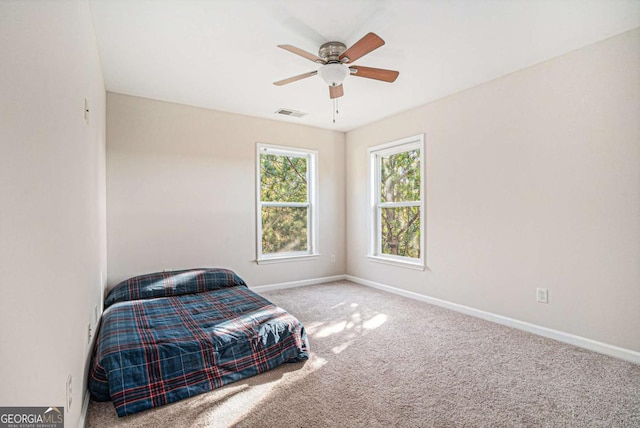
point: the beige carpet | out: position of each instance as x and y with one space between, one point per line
382 360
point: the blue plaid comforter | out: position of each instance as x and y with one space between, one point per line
159 349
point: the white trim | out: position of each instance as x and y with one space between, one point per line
404 262
286 204
398 204
284 259
582 342
286 150
392 147
294 284
85 408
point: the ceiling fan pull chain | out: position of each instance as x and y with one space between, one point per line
335 109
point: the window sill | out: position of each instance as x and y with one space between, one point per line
285 259
417 265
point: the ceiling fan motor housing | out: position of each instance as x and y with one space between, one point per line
330 51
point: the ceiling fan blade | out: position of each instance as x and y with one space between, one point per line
374 73
362 47
302 53
336 91
294 78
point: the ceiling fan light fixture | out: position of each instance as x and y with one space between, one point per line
334 74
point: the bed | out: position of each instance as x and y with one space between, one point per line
168 336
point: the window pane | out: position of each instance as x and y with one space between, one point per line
400 177
284 229
283 178
400 231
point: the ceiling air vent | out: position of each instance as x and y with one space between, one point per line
289 112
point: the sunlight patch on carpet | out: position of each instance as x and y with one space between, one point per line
375 322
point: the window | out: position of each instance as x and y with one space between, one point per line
286 208
397 202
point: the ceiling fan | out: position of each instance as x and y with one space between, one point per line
334 56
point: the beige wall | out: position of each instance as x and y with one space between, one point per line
181 191
52 200
533 180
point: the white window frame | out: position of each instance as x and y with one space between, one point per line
312 205
375 207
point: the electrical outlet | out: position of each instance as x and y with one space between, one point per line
333 258
89 333
69 392
542 295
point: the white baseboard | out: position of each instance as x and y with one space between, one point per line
85 407
582 342
293 284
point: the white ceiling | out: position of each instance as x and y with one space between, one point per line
222 54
